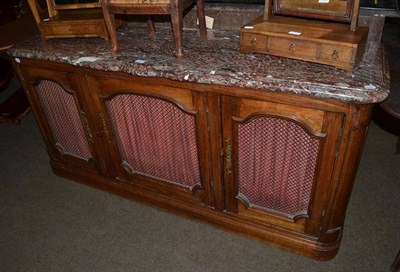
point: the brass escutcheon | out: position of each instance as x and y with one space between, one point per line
253 42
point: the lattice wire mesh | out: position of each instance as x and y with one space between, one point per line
155 138
63 117
277 160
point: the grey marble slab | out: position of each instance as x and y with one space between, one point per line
216 60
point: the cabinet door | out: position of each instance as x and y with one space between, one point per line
158 134
278 162
63 122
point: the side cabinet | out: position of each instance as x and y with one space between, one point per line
274 167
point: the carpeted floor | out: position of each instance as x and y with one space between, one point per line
49 223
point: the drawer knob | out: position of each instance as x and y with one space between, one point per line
253 42
335 54
292 47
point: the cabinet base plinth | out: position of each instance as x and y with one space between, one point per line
271 235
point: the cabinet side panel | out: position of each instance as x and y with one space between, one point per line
277 160
63 116
156 138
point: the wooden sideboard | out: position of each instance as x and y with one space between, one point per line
209 144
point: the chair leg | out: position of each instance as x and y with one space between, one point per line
201 17
109 19
177 25
150 25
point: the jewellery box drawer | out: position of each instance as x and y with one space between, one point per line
255 41
293 47
336 53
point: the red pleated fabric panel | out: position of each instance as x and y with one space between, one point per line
277 160
63 117
155 138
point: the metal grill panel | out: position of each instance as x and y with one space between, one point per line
155 138
63 117
277 160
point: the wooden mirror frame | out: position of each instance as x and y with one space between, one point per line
336 10
272 8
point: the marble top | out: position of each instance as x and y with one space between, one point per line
216 60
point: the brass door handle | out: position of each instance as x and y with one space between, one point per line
87 127
228 157
104 130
